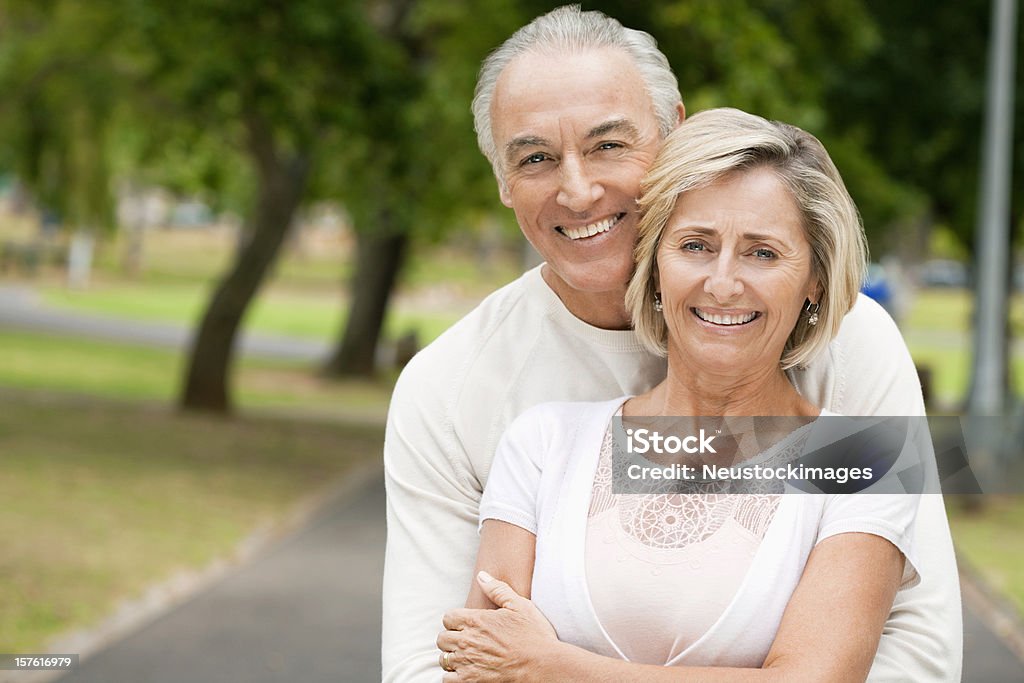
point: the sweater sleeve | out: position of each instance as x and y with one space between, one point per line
514 482
432 507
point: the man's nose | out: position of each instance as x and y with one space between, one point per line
724 282
577 190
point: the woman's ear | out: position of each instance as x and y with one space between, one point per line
814 292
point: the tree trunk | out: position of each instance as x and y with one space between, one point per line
281 186
379 257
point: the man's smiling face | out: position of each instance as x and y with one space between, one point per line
575 134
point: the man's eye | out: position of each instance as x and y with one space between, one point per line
693 246
533 159
610 145
766 254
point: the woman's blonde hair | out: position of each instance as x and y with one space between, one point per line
717 142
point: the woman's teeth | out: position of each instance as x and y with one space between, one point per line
738 319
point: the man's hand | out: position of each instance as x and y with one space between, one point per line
504 644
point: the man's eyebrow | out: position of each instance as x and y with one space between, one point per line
623 126
516 144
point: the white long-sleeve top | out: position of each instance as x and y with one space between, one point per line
521 347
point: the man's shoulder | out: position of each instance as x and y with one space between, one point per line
866 369
491 326
867 319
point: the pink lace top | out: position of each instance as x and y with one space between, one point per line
662 568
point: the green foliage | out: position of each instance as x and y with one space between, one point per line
917 102
408 152
59 106
377 94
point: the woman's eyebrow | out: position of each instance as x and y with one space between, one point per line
703 230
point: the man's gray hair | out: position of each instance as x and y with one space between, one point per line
568 29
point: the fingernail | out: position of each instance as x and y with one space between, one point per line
484 577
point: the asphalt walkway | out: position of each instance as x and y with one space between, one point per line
306 609
21 308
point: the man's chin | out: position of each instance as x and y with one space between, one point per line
596 278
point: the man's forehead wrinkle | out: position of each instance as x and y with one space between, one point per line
618 125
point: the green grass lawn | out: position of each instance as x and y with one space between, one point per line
991 541
938 332
101 499
128 372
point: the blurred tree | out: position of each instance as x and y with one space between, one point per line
273 80
407 169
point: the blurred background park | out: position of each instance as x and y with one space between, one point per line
225 224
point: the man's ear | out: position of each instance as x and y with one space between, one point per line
506 197
681 109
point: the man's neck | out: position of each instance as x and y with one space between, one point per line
604 310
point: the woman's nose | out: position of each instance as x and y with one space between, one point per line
723 282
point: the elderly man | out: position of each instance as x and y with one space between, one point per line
570 111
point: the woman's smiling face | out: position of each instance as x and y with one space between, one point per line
734 271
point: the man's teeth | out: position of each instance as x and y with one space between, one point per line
726 319
590 230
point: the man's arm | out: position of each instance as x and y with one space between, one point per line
432 506
868 371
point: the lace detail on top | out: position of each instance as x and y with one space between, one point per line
673 520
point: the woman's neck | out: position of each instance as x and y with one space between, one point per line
689 391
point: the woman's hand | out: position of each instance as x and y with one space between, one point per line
504 644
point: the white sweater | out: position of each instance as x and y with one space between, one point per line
542 480
522 347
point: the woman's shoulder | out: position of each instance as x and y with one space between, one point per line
563 419
561 412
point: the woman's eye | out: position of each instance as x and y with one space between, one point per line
693 246
763 253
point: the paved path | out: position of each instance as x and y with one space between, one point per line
986 658
307 609
21 308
